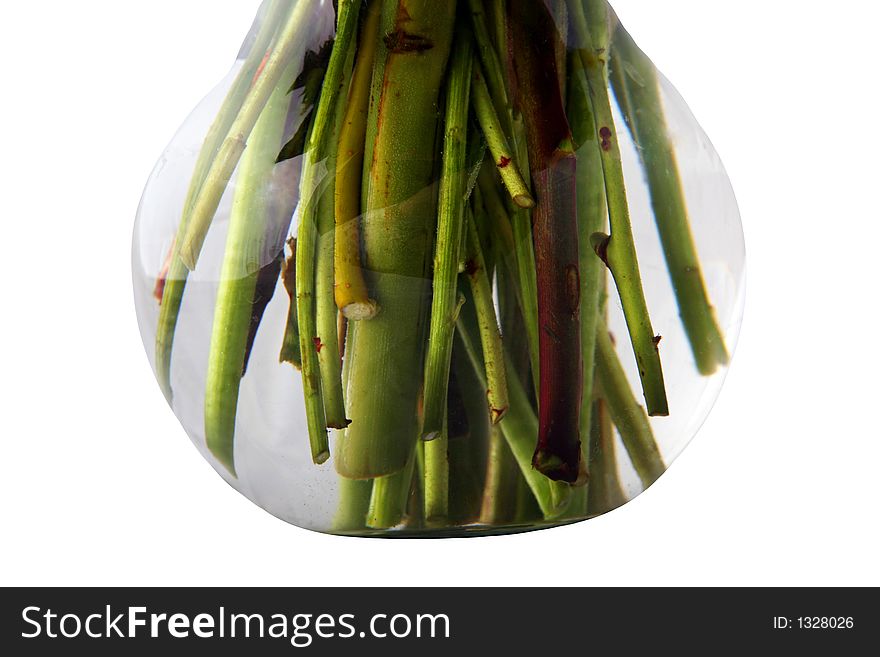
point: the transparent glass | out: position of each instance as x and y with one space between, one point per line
458 266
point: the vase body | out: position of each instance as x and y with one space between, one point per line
219 282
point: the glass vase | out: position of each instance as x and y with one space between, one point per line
439 268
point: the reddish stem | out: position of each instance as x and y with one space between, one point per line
553 164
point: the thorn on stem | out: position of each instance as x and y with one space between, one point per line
600 243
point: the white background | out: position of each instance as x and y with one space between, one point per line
99 485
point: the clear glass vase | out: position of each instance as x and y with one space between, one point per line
421 268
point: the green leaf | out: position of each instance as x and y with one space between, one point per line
314 68
311 81
297 145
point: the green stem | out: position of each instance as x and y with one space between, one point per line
177 275
502 153
325 144
352 296
354 505
628 415
327 316
289 47
354 495
592 211
469 445
251 209
322 376
390 495
309 340
497 17
290 350
499 495
450 227
490 335
638 83
338 75
606 493
524 261
619 251
436 453
398 234
491 63
598 17
520 428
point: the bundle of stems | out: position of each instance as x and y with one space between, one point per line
462 205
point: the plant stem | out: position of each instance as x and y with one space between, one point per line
592 211
436 454
638 83
322 377
523 260
493 60
327 317
351 294
468 451
354 505
619 251
491 64
389 501
598 17
628 415
498 220
450 226
238 279
177 275
309 340
554 167
354 495
499 495
502 153
490 334
497 18
398 233
520 428
290 351
606 493
338 75
324 149
446 305
289 47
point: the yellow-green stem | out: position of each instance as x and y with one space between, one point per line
325 143
436 455
524 261
242 263
490 334
450 227
592 212
618 250
290 47
520 429
390 496
352 297
637 82
629 417
398 233
502 153
606 493
290 349
177 275
309 340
